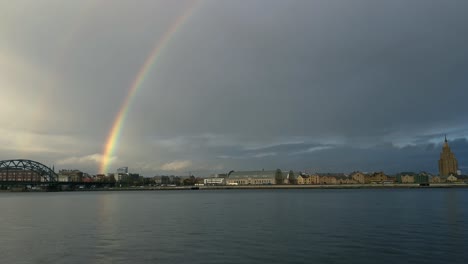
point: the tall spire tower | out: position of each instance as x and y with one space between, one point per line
448 164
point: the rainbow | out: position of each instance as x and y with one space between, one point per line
114 134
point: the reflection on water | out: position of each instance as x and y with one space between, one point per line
236 226
454 215
107 226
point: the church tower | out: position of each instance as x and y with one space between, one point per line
447 163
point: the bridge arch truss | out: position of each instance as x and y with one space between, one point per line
46 173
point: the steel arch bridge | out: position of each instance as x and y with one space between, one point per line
22 164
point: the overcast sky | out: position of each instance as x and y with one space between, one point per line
322 86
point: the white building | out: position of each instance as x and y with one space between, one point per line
64 178
214 181
251 177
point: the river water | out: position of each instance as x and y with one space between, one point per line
236 226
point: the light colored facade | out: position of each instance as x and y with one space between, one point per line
358 177
451 178
308 179
328 180
120 176
64 178
436 179
407 179
314 179
251 178
301 179
345 180
448 164
214 181
376 177
74 175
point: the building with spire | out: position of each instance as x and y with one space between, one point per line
448 164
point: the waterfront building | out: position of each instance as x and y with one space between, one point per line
251 177
376 177
391 179
448 164
407 179
122 170
301 179
327 180
215 181
344 180
358 177
171 180
87 178
311 179
110 177
314 179
64 178
435 179
451 179
19 175
102 178
71 175
331 178
127 178
341 179
168 180
421 178
120 177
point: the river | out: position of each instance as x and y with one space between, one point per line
236 226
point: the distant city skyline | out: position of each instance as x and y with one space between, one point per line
168 87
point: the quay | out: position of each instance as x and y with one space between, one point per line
252 187
275 187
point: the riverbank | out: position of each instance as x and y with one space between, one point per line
273 187
258 187
336 186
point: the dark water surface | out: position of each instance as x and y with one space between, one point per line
236 226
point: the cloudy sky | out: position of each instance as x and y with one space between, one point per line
322 86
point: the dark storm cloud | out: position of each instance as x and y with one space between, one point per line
359 72
384 157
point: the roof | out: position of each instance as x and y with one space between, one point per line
341 177
252 174
331 174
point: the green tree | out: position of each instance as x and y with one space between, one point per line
292 178
278 177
